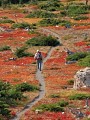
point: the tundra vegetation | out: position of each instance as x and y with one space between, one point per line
28 25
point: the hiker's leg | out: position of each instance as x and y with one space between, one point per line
38 64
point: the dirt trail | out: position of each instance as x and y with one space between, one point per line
40 78
50 32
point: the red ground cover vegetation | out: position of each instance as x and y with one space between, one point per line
81 43
56 73
17 71
81 27
48 116
15 38
59 73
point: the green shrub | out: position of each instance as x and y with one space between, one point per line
5 48
75 9
8 97
50 21
20 52
63 13
79 96
56 107
14 94
50 5
81 18
4 85
26 87
6 21
62 103
4 109
41 14
85 61
77 56
43 41
23 25
50 107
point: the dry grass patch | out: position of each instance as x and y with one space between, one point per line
29 20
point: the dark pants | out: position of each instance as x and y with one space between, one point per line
39 64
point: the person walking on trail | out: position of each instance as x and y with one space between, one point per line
38 58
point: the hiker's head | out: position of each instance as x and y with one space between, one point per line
37 50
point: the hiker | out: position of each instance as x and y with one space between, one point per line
38 58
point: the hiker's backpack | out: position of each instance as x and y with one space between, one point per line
39 56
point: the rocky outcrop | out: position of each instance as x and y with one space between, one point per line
82 78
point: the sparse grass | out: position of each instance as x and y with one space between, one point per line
67 37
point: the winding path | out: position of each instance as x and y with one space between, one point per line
40 78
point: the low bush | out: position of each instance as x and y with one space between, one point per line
43 41
63 103
79 96
81 18
50 5
51 21
85 61
63 13
14 94
41 14
6 21
23 25
11 95
83 58
3 48
74 9
4 109
77 56
4 86
26 87
8 97
20 52
50 107
56 107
